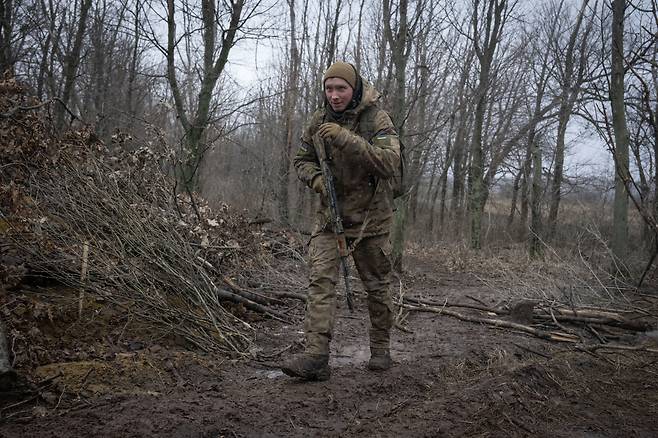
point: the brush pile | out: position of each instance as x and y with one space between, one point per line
109 222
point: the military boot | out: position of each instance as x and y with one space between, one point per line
380 359
308 367
380 351
381 320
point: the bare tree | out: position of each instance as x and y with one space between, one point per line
572 63
289 109
72 60
6 35
194 121
486 36
398 41
622 178
533 160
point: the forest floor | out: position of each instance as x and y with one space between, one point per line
104 376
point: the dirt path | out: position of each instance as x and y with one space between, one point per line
450 378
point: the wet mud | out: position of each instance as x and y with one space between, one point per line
450 379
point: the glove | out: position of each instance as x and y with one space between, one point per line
318 185
330 131
336 134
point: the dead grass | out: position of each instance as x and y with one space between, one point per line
575 276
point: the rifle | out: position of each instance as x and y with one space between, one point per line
337 221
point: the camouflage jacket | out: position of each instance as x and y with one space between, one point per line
362 169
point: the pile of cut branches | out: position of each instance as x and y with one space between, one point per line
111 224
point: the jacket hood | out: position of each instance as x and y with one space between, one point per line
369 97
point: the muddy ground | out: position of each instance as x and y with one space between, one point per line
104 376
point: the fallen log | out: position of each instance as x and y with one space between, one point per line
590 313
250 295
584 316
238 299
636 326
293 295
550 336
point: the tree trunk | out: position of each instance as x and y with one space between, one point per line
570 90
333 35
440 189
290 103
620 209
6 33
484 50
443 183
558 172
73 61
359 38
430 184
460 158
536 247
476 170
525 189
421 123
131 103
49 49
515 195
654 125
398 44
459 145
535 243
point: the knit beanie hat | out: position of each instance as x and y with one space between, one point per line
342 70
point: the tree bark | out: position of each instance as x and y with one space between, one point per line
131 103
485 50
515 196
622 178
359 38
398 43
535 243
333 35
6 33
525 192
290 103
571 84
73 61
421 115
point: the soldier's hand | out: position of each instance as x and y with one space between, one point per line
329 130
318 185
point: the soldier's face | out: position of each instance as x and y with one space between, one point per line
338 93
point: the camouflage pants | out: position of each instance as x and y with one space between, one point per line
371 257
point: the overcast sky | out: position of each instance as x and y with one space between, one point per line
251 62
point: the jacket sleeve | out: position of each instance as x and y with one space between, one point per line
306 161
380 156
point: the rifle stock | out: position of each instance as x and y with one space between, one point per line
337 221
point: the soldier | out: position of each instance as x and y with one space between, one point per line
364 152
